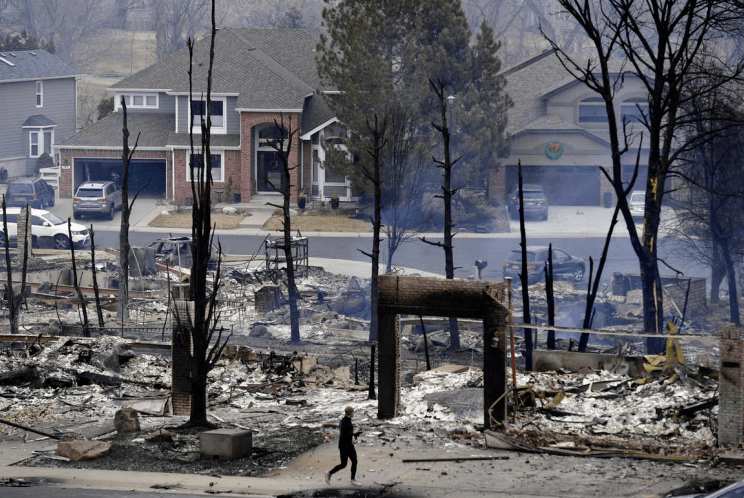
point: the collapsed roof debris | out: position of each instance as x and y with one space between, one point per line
75 381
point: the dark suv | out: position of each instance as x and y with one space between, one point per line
33 192
565 266
535 202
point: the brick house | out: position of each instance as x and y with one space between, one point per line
258 76
37 104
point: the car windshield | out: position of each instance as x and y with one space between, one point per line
89 192
21 189
53 219
639 197
533 195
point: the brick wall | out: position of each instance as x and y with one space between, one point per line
180 371
442 297
731 388
248 122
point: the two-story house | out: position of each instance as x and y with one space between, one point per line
260 77
37 108
559 133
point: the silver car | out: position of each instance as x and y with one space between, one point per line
101 198
637 204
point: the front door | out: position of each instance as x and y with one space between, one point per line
269 171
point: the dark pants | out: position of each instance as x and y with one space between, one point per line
347 453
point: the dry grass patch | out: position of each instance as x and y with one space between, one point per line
319 223
183 220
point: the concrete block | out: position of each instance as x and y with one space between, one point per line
225 444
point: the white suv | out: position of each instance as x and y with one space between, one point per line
47 229
102 198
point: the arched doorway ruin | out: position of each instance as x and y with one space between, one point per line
440 297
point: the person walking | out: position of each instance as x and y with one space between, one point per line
346 446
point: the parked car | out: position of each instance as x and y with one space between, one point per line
177 251
47 229
637 204
535 202
565 266
27 191
102 198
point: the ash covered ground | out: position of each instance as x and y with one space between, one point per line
292 411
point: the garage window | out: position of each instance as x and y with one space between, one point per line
216 163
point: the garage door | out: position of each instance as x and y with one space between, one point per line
564 185
151 172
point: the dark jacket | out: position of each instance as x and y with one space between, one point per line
346 432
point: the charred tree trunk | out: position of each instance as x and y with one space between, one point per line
448 192
99 310
83 303
549 295
283 146
524 276
593 289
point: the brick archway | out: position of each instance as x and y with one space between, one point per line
440 297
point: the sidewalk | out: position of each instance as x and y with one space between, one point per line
564 221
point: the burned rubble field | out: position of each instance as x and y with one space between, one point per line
293 407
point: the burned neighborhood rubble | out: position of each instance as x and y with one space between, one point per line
289 395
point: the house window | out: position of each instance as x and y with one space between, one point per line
137 100
40 141
634 110
39 94
48 141
592 110
216 164
34 144
216 114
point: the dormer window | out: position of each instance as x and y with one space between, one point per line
592 110
39 94
216 115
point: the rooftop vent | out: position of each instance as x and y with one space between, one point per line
3 59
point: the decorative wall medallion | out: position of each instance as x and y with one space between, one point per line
554 150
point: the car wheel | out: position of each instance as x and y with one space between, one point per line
61 241
76 215
111 212
2 239
578 274
51 202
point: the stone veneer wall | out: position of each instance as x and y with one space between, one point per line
731 388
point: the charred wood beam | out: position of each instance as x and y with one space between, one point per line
29 429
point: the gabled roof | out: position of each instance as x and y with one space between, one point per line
316 115
33 65
269 69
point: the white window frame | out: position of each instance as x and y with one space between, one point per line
39 143
39 93
130 97
219 130
40 133
215 179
